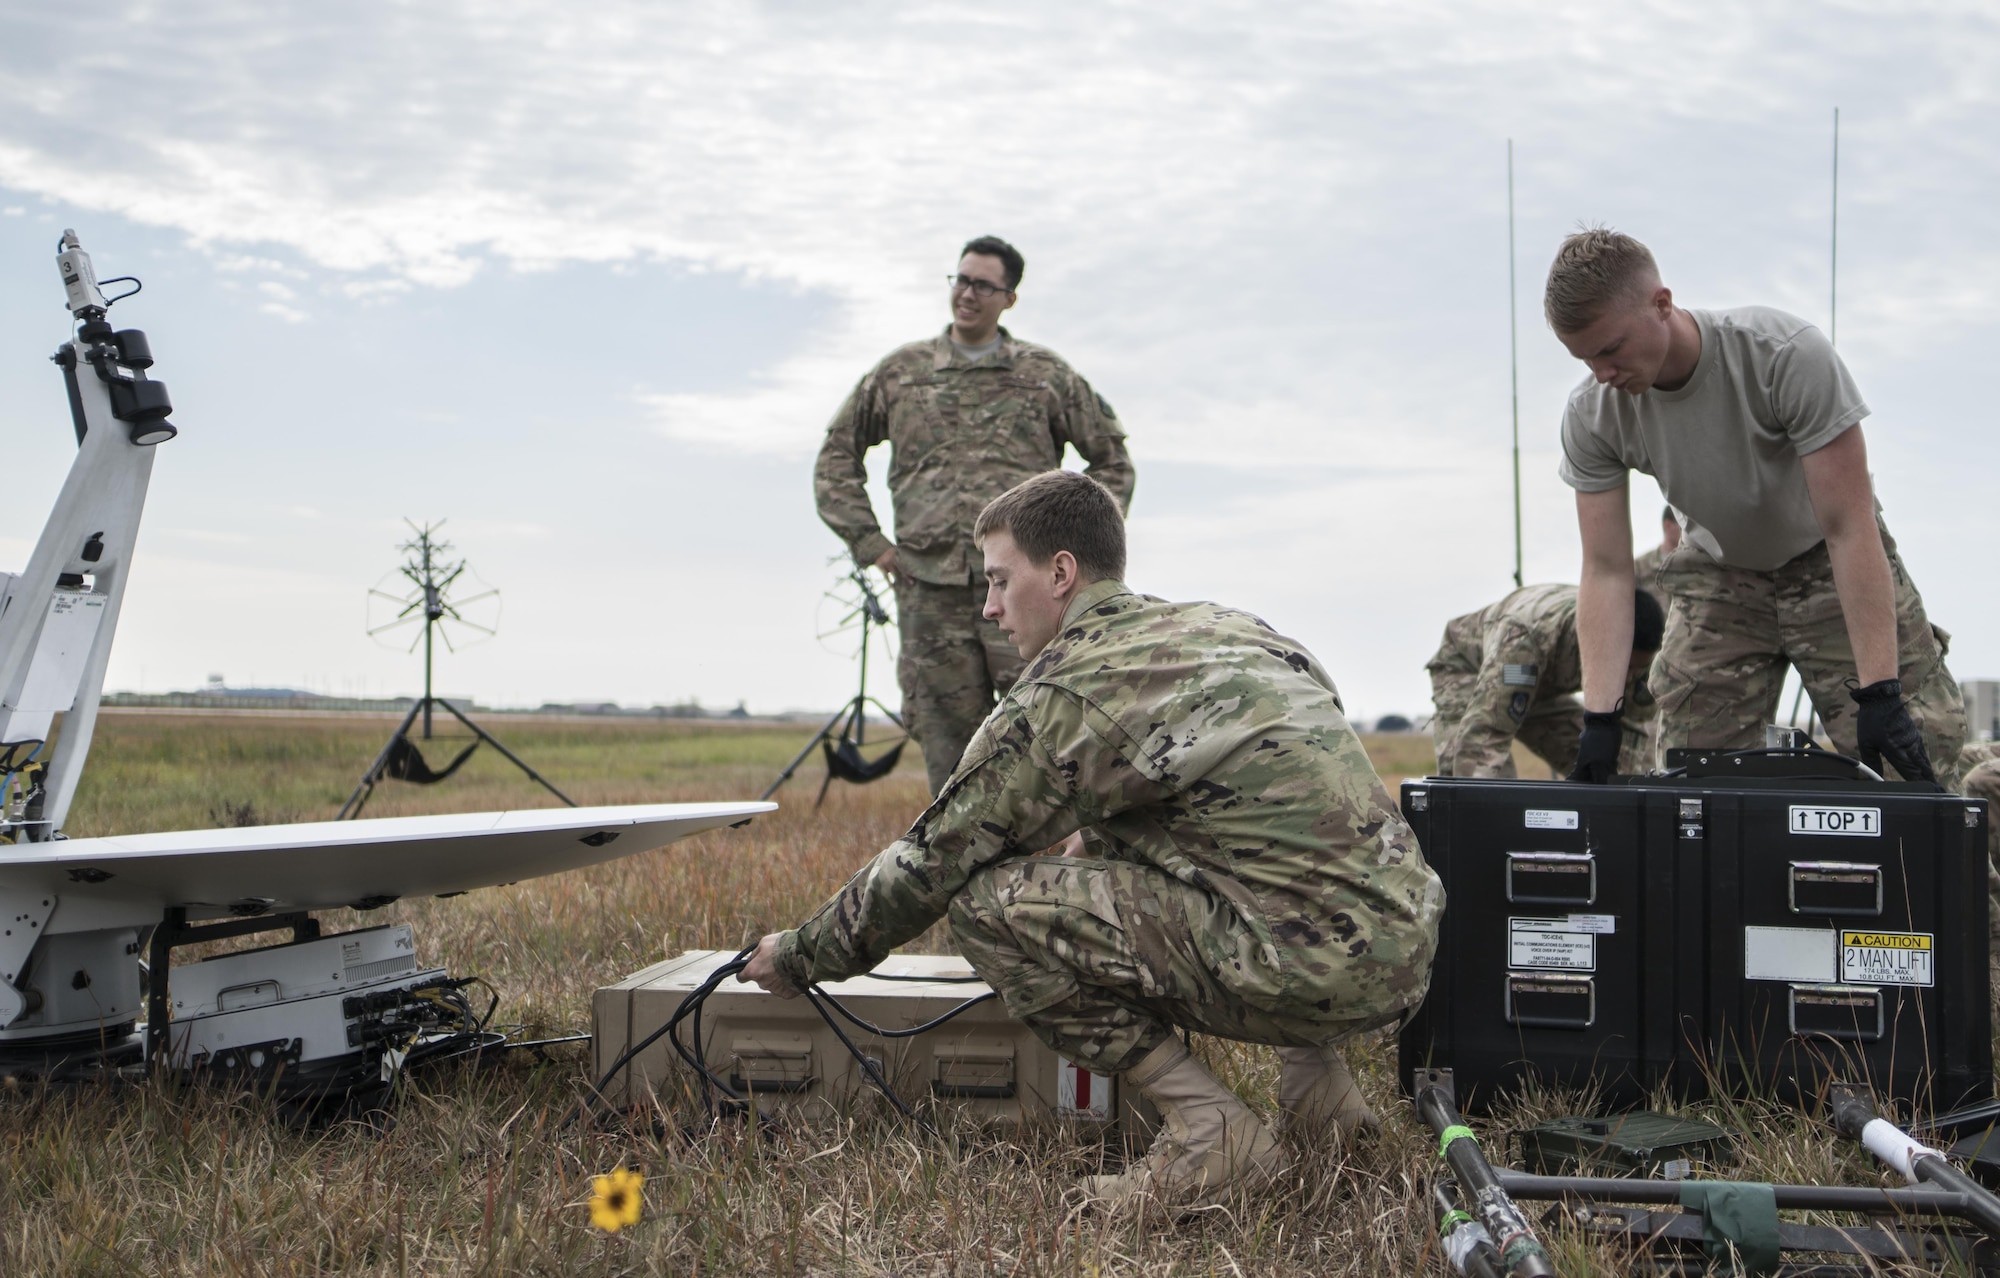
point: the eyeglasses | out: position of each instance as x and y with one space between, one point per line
981 289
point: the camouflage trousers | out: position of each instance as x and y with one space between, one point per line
1104 959
1732 632
1979 764
952 667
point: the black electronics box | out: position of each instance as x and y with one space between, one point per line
1760 933
1641 1144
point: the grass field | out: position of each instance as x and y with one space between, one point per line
479 1174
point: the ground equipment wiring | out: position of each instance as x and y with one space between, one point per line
691 1009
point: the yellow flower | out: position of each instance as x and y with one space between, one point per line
614 1200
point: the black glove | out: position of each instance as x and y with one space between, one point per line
1886 731
1597 750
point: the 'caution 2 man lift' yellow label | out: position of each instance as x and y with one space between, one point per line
1887 958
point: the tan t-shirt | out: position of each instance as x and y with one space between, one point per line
1725 447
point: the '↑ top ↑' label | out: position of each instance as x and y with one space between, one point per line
1812 818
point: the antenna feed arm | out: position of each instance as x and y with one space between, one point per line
121 359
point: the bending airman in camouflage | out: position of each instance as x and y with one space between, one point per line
1247 873
1752 425
1979 765
1511 672
967 415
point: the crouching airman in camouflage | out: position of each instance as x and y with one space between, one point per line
1512 670
1247 874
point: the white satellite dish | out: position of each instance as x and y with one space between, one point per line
128 880
74 912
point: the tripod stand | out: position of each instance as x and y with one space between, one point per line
400 760
846 733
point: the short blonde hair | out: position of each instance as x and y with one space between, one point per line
1594 268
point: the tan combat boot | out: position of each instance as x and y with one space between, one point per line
1209 1143
1317 1088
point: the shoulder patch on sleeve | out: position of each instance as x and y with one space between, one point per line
1524 676
1517 707
1104 406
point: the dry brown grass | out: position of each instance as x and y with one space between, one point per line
478 1173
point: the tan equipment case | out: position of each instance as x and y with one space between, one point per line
782 1054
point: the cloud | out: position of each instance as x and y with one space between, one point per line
1275 239
1209 196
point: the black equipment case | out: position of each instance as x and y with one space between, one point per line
1720 927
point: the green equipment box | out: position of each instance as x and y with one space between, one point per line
1638 1144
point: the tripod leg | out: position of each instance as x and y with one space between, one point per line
793 766
889 714
352 808
857 714
513 758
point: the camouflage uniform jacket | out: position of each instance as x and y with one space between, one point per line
1526 654
960 433
1193 738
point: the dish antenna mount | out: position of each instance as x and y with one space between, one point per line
430 577
858 606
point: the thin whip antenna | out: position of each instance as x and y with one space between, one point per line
1833 267
1514 362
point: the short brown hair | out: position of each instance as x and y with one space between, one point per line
1594 268
1061 510
1012 264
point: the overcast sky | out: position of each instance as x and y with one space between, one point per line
589 281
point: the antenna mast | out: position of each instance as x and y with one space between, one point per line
1514 362
1833 267
429 600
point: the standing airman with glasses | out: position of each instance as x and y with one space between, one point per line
967 415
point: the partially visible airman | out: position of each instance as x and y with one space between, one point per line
1511 672
1646 566
1979 763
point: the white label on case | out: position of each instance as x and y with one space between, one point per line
1550 945
1803 954
1860 823
1887 958
1550 819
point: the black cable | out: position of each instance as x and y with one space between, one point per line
688 1005
868 1065
691 1009
879 1032
133 280
699 1057
513 1044
492 1005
